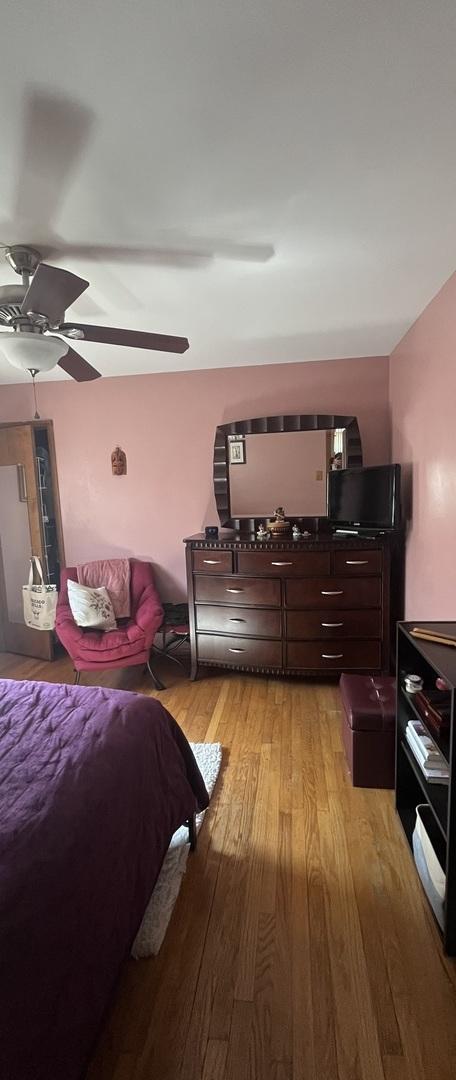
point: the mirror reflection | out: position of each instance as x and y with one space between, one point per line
287 468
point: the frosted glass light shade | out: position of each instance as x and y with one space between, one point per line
37 351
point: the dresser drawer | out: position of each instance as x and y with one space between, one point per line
308 625
258 622
284 563
333 655
237 590
331 593
213 561
358 562
243 651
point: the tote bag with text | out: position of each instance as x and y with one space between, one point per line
39 601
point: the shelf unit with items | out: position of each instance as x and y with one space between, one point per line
437 801
46 480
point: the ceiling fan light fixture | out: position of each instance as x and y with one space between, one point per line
37 310
26 351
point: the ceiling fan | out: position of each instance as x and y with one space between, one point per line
32 316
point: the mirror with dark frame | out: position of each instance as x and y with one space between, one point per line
269 461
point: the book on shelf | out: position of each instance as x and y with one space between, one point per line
435 708
434 775
436 769
426 746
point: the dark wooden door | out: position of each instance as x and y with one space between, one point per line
20 537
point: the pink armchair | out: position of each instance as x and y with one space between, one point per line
130 643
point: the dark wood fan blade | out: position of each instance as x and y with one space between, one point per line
52 291
75 365
182 251
135 339
55 132
186 258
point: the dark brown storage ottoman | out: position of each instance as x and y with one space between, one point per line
368 728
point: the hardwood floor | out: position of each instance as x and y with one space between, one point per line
301 946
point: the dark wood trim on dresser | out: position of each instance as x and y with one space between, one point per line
191 610
265 425
320 604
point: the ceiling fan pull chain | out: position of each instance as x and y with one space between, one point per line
34 372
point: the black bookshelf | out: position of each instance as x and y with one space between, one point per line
429 660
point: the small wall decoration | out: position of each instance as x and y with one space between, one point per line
118 462
237 451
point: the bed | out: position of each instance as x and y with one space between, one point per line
93 783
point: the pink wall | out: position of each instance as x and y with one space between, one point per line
166 425
423 395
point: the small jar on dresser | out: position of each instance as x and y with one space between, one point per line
308 607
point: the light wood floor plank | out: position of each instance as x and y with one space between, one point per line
282 1029
252 902
215 1060
214 996
322 987
358 1052
368 885
303 1060
264 996
241 1062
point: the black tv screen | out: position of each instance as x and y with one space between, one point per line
367 497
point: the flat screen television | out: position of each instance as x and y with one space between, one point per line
368 498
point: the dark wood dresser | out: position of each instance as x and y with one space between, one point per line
324 604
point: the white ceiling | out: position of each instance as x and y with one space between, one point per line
318 133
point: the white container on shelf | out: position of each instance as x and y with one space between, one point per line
413 683
428 862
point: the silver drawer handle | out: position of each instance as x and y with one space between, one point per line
331 624
281 564
237 620
356 562
234 590
332 592
236 650
332 656
212 562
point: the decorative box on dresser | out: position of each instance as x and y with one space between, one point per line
320 604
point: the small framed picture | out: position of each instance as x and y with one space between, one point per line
237 452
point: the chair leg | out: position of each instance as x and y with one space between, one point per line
168 653
183 639
192 833
156 681
177 644
77 677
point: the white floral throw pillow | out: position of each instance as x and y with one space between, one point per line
91 607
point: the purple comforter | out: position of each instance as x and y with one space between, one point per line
93 783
